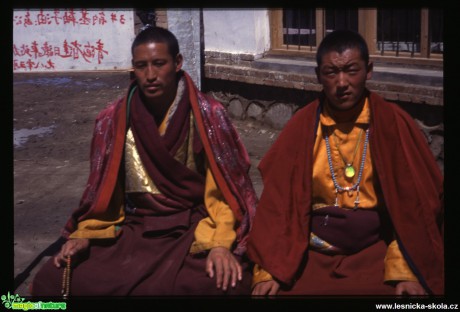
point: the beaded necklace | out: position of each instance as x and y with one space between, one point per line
66 279
349 168
354 187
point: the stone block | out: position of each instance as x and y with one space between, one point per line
278 115
235 109
255 111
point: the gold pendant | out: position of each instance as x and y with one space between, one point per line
349 171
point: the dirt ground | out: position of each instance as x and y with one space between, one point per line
53 122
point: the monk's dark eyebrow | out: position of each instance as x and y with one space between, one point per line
346 66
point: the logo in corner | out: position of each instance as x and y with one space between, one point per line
9 299
16 302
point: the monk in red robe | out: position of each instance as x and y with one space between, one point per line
353 197
169 201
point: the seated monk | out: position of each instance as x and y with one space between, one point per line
353 198
169 201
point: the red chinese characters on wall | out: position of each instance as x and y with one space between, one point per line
54 43
40 56
68 17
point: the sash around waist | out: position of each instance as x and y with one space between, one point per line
160 220
339 230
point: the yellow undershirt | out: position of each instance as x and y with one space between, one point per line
346 136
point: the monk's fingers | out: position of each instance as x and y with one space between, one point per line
228 271
220 271
409 288
274 289
74 247
71 248
261 289
58 260
235 271
210 267
269 288
239 270
255 291
226 267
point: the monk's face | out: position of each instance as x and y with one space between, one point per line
155 70
343 76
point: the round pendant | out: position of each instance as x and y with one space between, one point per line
349 171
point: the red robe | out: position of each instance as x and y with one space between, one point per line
224 149
411 182
152 249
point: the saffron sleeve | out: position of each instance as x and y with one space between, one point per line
216 230
260 275
396 267
108 223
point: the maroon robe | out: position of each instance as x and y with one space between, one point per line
227 156
150 254
411 184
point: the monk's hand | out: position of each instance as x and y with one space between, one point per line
222 264
265 288
72 248
410 288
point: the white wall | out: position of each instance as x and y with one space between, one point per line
185 25
72 39
236 30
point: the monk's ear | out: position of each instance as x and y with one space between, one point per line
178 62
370 68
317 74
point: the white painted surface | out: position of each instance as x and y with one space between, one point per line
185 25
236 30
72 39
